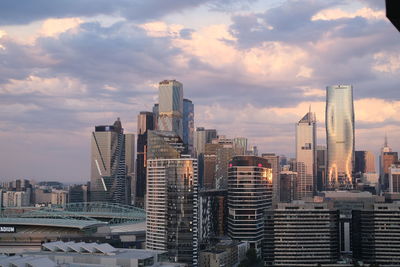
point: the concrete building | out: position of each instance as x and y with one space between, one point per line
59 197
304 234
386 159
339 124
202 137
306 138
16 199
249 198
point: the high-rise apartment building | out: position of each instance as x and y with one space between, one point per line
273 160
288 186
249 198
188 125
339 122
109 181
306 132
145 123
170 108
171 199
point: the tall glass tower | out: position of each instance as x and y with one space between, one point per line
170 108
339 122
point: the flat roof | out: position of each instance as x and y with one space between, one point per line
65 223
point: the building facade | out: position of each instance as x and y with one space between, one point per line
109 181
249 198
339 124
273 160
306 133
170 108
188 125
145 123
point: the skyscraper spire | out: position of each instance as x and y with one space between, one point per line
386 140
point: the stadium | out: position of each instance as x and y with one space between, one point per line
24 228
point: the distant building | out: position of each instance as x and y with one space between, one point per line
249 198
188 125
145 123
240 145
364 162
386 159
109 180
59 197
12 199
394 178
306 138
321 167
170 109
201 138
339 120
274 161
78 193
288 186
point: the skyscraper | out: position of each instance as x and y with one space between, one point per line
170 108
145 123
109 181
339 120
321 168
202 137
188 125
273 160
249 197
364 162
171 198
306 155
386 159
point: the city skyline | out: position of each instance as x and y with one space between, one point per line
50 95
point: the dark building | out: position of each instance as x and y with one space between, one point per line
213 215
78 193
145 123
376 234
393 12
287 186
188 125
321 167
303 234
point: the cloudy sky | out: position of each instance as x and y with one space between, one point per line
252 68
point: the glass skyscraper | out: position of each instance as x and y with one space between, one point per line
170 108
188 125
339 121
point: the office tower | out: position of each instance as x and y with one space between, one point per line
364 162
210 160
224 153
170 108
213 215
394 178
202 137
171 205
273 160
304 234
376 236
188 125
156 113
109 182
386 159
321 167
288 186
306 133
249 197
339 120
240 145
145 123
